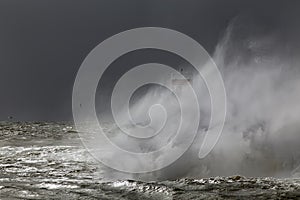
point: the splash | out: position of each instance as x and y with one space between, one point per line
262 131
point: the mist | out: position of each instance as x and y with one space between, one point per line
261 134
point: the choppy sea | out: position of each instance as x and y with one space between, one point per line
47 161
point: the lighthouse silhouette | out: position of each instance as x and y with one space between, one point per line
178 82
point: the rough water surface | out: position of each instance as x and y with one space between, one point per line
47 161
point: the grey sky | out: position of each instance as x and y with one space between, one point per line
43 42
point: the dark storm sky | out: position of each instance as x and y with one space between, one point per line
43 42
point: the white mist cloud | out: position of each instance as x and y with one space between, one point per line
262 131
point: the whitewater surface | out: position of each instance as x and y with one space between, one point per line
48 161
